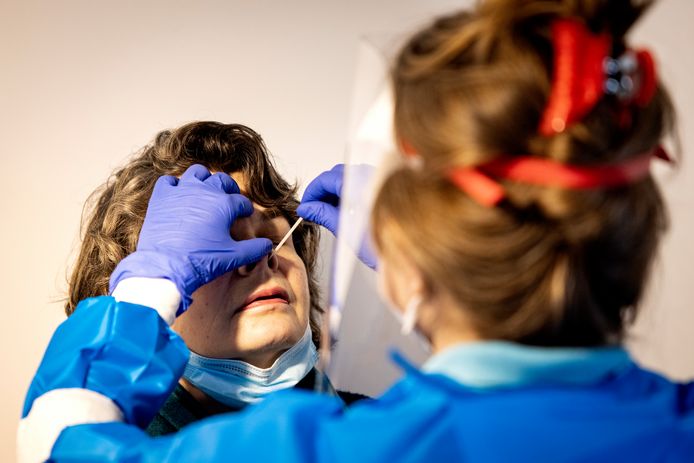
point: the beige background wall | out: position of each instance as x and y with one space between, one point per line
83 84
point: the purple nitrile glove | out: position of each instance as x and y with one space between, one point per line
186 237
321 204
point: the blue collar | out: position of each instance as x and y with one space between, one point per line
501 365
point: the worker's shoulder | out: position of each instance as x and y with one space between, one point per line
638 413
634 391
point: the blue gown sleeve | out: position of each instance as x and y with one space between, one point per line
127 353
290 426
123 351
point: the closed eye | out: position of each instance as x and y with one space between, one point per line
275 239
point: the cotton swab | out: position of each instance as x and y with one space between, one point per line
289 233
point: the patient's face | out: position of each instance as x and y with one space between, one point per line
255 312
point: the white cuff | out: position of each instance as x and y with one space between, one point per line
56 410
158 293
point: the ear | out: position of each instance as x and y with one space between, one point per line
418 283
406 148
399 278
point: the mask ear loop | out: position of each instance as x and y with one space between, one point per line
409 317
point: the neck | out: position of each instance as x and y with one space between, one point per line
211 406
445 324
443 339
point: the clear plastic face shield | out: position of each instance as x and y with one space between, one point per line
361 329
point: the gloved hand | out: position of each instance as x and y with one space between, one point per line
186 237
321 201
321 204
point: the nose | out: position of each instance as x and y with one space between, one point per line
270 262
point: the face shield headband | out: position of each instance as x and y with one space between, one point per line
480 182
583 73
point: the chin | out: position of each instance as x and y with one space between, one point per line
267 332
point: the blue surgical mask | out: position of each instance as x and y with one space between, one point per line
236 383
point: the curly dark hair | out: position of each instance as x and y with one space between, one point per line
114 213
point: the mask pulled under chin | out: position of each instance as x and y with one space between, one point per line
237 383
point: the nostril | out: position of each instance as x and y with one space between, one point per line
272 263
246 269
273 260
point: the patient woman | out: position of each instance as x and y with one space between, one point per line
251 331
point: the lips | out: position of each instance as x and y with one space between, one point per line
275 295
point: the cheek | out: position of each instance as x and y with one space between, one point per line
295 271
212 296
383 283
198 320
389 285
192 325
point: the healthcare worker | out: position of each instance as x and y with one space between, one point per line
519 248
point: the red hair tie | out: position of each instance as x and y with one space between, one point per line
649 83
584 72
578 76
478 181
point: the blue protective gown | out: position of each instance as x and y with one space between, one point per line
481 402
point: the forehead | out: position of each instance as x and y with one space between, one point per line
262 214
240 179
266 215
